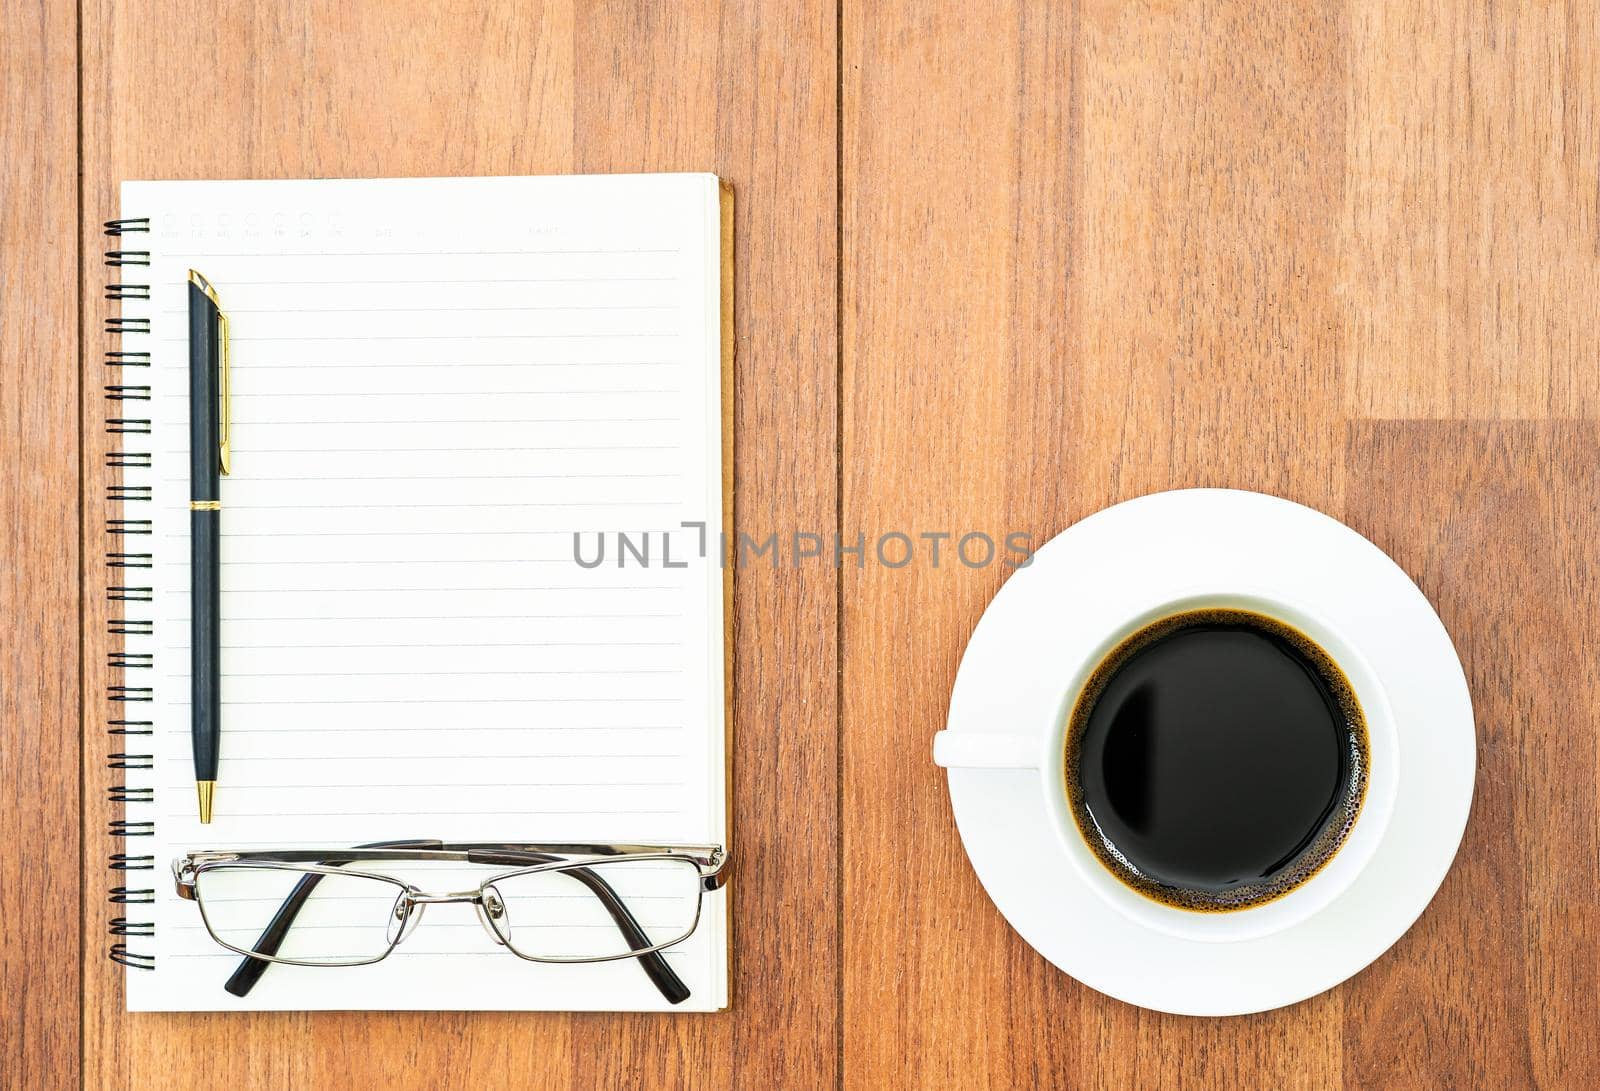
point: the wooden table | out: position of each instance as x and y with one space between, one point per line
1000 266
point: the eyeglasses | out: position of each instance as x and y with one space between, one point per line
560 902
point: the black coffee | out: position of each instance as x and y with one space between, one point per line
1216 759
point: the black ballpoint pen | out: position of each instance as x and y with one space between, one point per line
208 460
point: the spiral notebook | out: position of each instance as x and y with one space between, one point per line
444 394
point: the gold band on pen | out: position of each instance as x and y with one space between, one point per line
205 505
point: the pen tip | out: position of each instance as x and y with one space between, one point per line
206 789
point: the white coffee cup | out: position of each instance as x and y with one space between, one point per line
1040 745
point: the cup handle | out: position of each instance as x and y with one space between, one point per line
986 750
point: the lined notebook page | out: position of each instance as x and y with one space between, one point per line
435 384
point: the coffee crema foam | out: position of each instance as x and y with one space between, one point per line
1216 759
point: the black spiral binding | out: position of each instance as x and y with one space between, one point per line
129 586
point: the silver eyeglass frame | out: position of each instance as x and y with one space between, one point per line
411 901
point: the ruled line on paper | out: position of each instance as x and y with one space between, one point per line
502 504
435 421
407 951
373 534
365 281
357 675
448 647
429 589
426 588
436 310
367 562
277 899
433 866
234 339
179 479
437 450
183 702
258 365
301 787
441 755
321 394
430 813
640 792
184 619
267 732
301 254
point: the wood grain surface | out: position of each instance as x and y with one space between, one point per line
1000 264
40 583
1096 250
1498 522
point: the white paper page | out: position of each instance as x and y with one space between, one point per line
435 383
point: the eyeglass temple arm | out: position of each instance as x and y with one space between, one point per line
661 975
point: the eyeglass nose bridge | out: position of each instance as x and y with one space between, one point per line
491 910
423 897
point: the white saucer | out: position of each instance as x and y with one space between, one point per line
1178 540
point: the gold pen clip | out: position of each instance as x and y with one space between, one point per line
226 424
225 409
